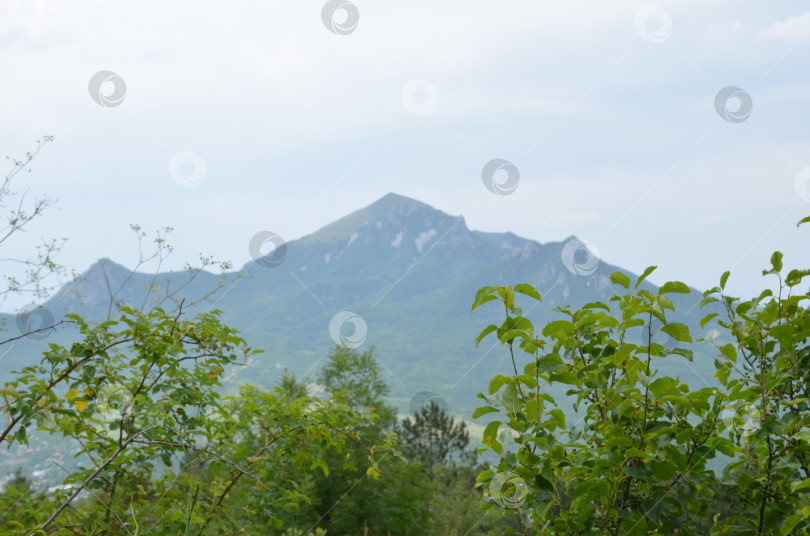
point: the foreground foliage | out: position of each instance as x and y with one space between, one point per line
165 453
636 463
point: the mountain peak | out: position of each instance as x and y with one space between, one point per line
391 213
92 286
106 266
398 206
392 201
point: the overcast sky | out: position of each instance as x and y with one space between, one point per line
226 118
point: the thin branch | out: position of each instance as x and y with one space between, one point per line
31 332
93 476
206 451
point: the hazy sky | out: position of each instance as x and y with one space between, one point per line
223 119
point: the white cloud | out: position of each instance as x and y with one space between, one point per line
791 29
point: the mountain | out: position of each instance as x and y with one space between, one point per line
409 272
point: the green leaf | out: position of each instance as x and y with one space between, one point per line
795 277
744 308
486 331
637 525
790 522
624 407
706 301
677 331
483 296
528 290
631 323
803 220
660 386
663 470
683 352
558 329
497 381
647 271
529 346
608 321
513 334
325 468
666 303
507 295
803 434
596 305
533 410
89 373
549 363
730 351
796 486
620 441
510 398
658 310
484 476
483 410
776 261
566 377
490 432
783 333
559 417
764 294
723 279
725 447
674 286
723 370
619 278
706 319
373 472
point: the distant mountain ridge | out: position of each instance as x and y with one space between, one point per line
410 272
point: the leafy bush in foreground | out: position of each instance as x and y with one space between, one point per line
636 464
